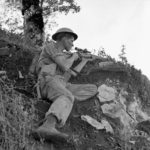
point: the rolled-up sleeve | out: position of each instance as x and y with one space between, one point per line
48 55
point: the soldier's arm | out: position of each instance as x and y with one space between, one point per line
65 62
80 66
60 58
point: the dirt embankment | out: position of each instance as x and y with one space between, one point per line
85 136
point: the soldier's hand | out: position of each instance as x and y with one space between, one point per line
76 56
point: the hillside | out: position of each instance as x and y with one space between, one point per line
121 108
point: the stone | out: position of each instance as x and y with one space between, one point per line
104 124
106 93
107 126
115 105
93 122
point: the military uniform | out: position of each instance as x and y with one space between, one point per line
54 86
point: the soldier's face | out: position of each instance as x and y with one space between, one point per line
68 42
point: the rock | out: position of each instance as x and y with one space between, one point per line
106 93
115 110
117 107
135 110
129 114
20 75
107 126
93 122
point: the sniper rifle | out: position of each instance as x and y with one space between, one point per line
84 53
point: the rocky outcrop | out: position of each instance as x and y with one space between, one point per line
116 105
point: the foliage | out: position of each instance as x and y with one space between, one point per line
62 6
101 52
48 6
17 114
10 18
13 20
122 55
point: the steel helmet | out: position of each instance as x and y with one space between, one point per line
64 30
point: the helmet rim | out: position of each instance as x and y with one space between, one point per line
64 30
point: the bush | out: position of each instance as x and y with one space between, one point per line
17 116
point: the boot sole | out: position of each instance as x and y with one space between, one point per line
54 138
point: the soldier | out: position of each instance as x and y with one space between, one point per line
54 66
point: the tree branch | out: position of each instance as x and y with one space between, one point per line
41 3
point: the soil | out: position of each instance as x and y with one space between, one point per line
84 136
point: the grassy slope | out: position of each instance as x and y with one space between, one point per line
21 107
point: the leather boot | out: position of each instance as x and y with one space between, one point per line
48 130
